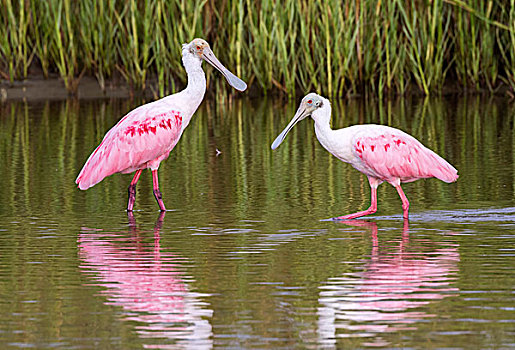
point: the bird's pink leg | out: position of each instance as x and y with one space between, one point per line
132 190
405 202
373 205
157 193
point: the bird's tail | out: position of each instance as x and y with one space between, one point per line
93 171
442 170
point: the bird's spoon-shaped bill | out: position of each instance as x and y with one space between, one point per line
232 79
301 114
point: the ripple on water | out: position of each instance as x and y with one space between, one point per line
503 216
149 284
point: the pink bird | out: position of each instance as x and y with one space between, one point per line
146 135
380 152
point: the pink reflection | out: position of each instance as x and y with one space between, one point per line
378 298
149 285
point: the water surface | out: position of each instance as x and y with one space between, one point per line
242 259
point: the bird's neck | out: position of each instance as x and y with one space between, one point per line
196 76
193 94
322 118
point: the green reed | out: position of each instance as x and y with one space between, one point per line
427 37
506 44
40 31
476 64
135 42
337 48
16 51
392 75
98 32
64 46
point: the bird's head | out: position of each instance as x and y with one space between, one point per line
196 47
309 105
199 48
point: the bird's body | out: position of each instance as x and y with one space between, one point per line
147 134
384 153
380 152
140 140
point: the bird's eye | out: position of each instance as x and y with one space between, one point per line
198 47
309 102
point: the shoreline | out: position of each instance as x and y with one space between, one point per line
39 88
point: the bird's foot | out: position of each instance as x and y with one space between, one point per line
343 217
159 199
339 218
353 216
132 197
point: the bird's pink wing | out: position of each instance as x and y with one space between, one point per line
391 156
141 139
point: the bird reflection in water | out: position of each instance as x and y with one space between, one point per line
389 292
150 286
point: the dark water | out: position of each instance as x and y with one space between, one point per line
242 260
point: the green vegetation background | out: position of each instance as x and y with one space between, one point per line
337 48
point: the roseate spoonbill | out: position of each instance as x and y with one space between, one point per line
380 152
147 134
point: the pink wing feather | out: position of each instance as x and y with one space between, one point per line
392 156
141 139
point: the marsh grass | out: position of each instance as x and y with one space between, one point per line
337 48
476 65
428 40
98 33
64 45
506 44
16 50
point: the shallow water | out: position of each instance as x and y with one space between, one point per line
242 259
